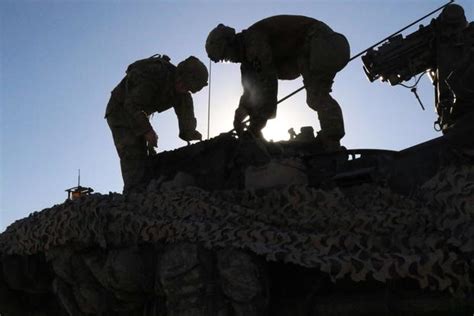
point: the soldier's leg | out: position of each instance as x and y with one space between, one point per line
318 87
325 55
243 282
133 156
329 111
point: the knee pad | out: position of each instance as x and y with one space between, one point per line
318 100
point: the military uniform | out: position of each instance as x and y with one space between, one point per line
148 87
285 47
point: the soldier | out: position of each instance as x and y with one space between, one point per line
445 50
151 85
454 71
284 47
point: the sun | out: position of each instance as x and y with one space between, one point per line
291 115
276 130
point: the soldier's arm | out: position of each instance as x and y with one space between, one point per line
184 109
259 78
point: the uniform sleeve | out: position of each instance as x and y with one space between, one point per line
259 78
183 107
139 95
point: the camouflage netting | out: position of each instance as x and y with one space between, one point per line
362 232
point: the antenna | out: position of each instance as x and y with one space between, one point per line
209 100
77 192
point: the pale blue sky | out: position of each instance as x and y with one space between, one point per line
60 59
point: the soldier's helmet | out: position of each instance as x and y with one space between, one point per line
453 16
218 41
192 73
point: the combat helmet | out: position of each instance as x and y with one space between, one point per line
218 40
453 16
193 73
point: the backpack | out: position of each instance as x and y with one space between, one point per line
148 68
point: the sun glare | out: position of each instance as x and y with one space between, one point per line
276 130
291 115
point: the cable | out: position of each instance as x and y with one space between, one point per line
416 82
209 100
413 89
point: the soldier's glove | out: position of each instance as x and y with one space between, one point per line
257 123
239 127
190 135
240 114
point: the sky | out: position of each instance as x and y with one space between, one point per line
60 59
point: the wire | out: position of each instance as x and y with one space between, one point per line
209 101
416 82
413 89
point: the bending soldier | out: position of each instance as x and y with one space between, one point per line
151 85
284 47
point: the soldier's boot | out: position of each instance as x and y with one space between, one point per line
243 282
185 274
328 144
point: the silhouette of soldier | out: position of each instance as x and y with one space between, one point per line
151 85
284 47
453 74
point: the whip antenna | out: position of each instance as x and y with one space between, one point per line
209 100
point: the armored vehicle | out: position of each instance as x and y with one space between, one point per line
234 226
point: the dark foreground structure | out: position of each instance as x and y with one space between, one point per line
235 227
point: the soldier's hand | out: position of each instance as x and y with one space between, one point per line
151 138
239 127
190 135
